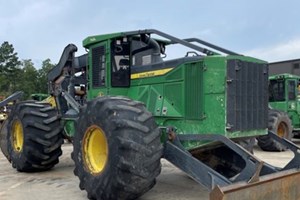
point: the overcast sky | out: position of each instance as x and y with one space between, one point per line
265 29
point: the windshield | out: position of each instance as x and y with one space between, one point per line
276 90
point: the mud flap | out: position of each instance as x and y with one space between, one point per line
278 186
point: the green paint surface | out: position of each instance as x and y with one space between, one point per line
290 101
191 97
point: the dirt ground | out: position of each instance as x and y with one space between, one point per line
61 184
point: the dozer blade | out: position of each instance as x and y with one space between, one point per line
278 186
253 180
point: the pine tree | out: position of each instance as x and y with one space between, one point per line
42 76
10 69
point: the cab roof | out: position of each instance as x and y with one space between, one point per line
284 76
168 39
89 41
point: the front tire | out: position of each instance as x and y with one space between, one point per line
281 125
34 137
117 149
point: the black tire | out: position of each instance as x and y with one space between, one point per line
133 149
3 139
247 144
281 125
34 137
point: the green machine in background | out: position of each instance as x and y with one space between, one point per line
284 95
284 115
140 96
39 96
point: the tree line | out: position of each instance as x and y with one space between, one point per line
21 75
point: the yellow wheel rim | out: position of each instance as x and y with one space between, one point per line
281 130
95 149
17 136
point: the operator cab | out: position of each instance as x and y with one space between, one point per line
142 54
115 60
283 88
129 53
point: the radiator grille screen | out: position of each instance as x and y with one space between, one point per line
247 95
98 66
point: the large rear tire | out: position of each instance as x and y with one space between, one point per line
247 144
3 139
34 137
117 149
281 125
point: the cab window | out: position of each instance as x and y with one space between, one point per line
276 90
120 69
292 90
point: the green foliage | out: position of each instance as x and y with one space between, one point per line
8 58
16 75
10 69
29 78
42 86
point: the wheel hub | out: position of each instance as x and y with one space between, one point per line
281 130
17 136
95 149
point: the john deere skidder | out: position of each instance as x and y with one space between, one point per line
285 120
127 103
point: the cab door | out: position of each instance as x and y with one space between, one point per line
277 94
293 103
291 95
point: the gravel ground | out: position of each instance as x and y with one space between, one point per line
61 184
